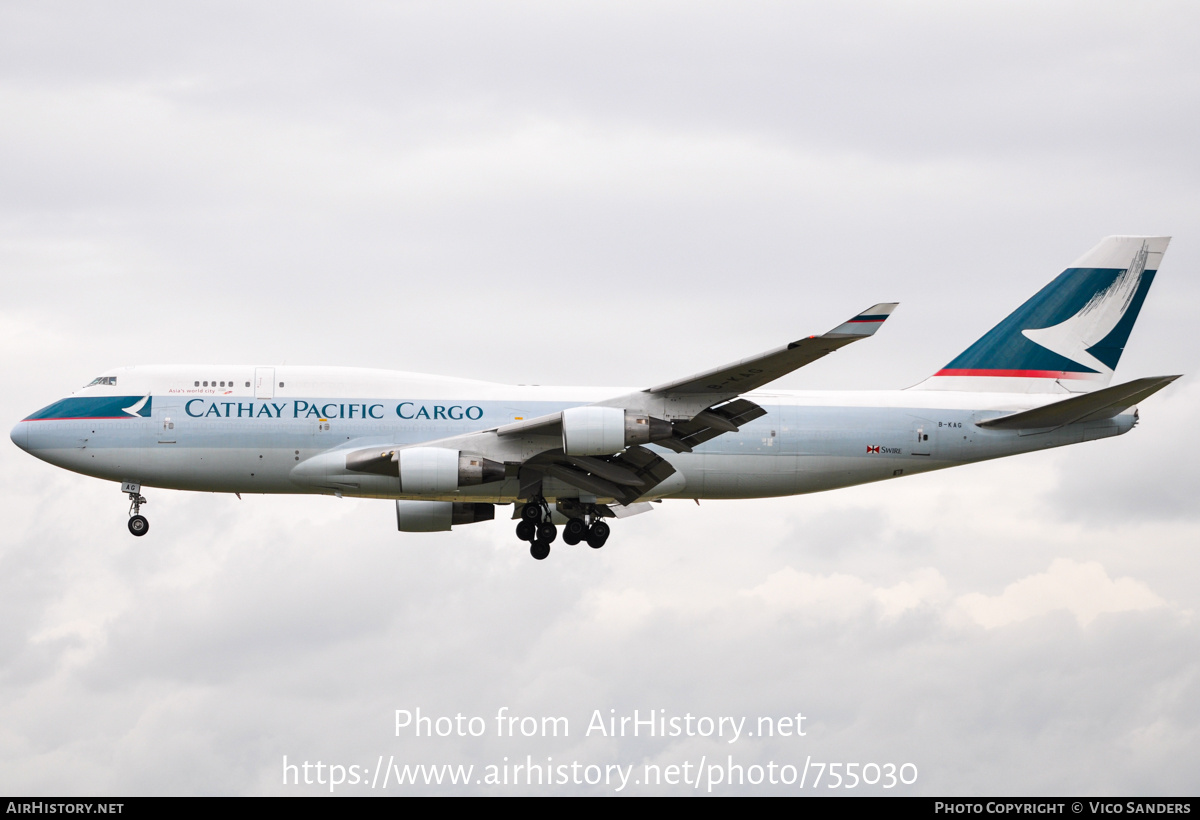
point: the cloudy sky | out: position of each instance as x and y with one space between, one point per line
613 194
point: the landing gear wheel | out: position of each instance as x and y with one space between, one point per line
532 512
547 532
527 531
574 531
598 534
539 550
138 525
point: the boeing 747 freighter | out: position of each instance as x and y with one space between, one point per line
448 451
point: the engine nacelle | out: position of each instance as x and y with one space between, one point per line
602 431
438 470
440 516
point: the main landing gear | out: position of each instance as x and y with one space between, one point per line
595 533
537 528
138 525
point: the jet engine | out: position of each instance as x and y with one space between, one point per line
602 431
440 516
428 469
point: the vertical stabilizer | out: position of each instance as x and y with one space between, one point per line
1070 335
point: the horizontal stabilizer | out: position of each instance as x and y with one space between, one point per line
1102 404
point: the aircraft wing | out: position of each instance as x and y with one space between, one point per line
678 415
683 400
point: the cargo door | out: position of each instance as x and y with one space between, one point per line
922 443
264 382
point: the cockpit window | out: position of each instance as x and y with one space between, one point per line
102 380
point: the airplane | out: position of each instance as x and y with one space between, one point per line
449 450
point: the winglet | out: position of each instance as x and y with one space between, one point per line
865 323
750 374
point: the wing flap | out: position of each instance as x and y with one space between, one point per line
710 423
626 476
587 482
626 510
1101 404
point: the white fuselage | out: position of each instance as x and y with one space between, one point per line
281 430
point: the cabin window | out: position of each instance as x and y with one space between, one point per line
197 384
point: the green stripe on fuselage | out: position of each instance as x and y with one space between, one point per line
107 407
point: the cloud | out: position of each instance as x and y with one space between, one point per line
1084 590
595 194
841 596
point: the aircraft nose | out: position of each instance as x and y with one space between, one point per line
20 435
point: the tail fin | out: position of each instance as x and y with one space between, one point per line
1070 335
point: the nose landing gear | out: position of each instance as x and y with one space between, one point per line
138 525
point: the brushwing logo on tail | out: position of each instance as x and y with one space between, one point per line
1096 320
1070 334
